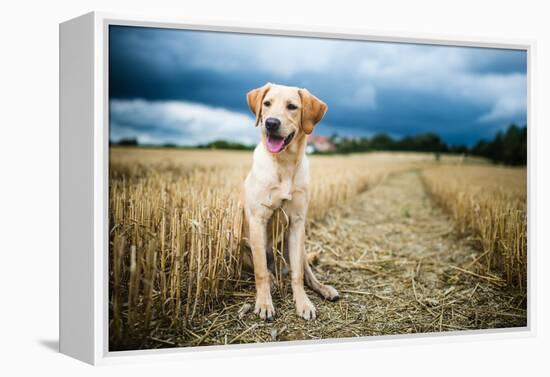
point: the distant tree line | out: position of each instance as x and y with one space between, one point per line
223 144
128 142
218 144
509 147
427 142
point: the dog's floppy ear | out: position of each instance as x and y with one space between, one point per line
313 110
255 98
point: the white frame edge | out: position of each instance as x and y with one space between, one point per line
84 151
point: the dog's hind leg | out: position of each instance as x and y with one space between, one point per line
328 292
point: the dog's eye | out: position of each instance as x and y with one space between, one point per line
267 103
291 106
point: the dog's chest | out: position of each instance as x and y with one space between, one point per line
280 192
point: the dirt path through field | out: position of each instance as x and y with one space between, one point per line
396 261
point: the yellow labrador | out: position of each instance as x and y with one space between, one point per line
279 178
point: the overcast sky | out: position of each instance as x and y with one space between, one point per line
189 87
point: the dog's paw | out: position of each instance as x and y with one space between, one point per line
330 293
306 309
264 308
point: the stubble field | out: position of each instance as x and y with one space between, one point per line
412 244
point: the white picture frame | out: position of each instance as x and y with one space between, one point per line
84 148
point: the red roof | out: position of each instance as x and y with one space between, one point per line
317 139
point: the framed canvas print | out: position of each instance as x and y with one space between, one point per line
235 188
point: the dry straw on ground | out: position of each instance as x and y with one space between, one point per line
490 203
175 274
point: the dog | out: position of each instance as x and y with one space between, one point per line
279 179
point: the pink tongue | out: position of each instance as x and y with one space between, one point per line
275 145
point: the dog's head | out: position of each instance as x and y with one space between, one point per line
284 113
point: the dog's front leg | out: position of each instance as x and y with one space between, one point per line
297 254
257 239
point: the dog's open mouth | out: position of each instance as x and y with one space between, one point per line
275 143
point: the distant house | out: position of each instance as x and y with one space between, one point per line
317 143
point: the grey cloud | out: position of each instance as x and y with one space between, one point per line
460 93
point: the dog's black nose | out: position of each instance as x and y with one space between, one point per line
272 124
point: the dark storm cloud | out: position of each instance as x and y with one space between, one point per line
463 94
497 61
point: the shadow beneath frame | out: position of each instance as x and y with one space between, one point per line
52 345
